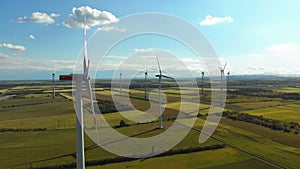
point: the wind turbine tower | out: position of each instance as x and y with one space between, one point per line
228 74
222 77
146 75
78 79
202 82
160 76
53 85
121 83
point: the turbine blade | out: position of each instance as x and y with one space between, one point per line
86 65
89 89
225 66
85 61
168 77
158 64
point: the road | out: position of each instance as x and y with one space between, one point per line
6 97
244 152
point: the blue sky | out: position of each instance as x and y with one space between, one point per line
254 37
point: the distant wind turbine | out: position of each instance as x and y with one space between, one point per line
228 74
53 85
222 77
160 76
120 82
146 75
202 82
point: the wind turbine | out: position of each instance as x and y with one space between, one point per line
53 85
222 76
202 82
120 82
228 74
160 76
146 75
79 78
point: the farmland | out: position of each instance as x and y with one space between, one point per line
38 131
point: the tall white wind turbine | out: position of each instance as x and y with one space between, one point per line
80 159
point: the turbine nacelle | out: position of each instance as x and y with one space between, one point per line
222 69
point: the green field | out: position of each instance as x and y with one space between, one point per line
208 159
288 112
289 90
31 108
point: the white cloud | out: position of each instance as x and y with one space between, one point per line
94 17
116 57
3 55
39 17
145 51
14 62
283 48
111 28
13 47
32 37
212 20
54 15
276 59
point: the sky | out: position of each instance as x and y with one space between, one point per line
253 37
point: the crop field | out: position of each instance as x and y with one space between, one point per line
289 90
222 158
39 131
284 113
260 146
253 105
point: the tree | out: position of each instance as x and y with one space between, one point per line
123 123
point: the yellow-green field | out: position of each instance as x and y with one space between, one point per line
289 112
223 158
289 90
246 144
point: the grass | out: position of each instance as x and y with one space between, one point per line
288 139
253 105
56 145
249 99
187 106
114 119
23 148
289 90
30 99
282 113
259 145
205 159
50 122
33 111
251 163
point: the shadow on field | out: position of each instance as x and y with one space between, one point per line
86 149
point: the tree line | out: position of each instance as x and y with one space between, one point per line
263 121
